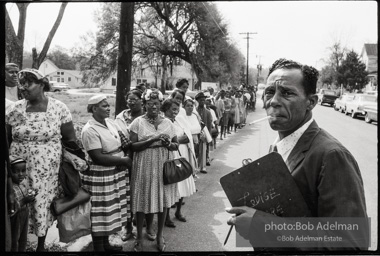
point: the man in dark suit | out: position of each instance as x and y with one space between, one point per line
325 172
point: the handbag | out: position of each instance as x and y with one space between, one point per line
64 204
214 132
177 170
74 223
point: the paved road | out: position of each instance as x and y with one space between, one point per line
206 228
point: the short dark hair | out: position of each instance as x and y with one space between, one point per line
167 104
176 91
309 73
180 82
138 93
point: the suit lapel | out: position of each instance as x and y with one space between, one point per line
302 146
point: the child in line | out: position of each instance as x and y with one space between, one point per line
19 221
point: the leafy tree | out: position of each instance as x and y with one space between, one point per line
352 73
61 59
15 43
163 33
327 75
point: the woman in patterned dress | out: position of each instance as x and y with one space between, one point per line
186 188
153 138
37 124
124 120
107 180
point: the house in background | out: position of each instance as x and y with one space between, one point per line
144 74
71 77
369 58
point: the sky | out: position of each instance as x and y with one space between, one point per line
298 30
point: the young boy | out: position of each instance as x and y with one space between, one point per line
19 221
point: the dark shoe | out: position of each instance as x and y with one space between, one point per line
138 246
161 246
180 217
208 163
151 237
169 224
203 171
173 206
113 248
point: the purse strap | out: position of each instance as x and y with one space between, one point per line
177 150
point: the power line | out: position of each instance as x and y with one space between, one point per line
248 33
214 19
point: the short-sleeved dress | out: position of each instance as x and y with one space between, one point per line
36 137
149 194
110 207
186 187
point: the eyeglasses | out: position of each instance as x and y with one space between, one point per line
151 104
25 84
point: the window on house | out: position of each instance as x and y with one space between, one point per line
51 79
138 81
69 79
58 73
62 79
58 79
62 73
113 83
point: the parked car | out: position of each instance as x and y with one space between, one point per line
57 87
370 114
327 96
359 102
340 103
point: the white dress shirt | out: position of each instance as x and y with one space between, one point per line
286 145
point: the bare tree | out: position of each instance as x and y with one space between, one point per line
39 58
15 43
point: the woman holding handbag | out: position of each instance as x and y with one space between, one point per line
107 179
153 138
186 188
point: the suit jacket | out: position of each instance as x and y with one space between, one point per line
327 176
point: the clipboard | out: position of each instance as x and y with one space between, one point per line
267 185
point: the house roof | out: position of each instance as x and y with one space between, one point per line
52 63
75 73
371 49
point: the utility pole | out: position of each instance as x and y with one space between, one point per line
259 67
124 60
248 33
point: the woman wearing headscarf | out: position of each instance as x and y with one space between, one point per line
186 187
153 140
36 126
107 178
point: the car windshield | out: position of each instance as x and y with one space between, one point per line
330 93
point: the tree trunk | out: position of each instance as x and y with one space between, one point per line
15 43
124 70
164 74
37 60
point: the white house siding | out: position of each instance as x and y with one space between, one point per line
179 72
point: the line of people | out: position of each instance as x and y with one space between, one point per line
126 157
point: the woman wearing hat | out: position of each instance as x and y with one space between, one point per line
153 138
36 125
107 178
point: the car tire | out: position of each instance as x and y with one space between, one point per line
367 119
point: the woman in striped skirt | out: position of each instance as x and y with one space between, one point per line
107 180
